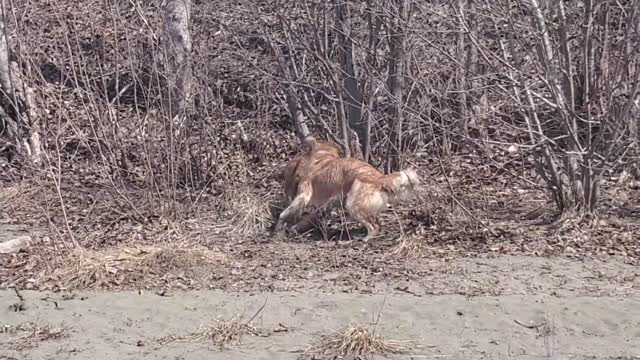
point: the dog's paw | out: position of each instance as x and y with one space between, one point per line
279 236
279 228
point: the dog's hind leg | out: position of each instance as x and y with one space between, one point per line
302 199
372 225
363 204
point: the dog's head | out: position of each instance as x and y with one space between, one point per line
289 176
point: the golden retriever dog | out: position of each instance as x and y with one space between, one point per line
323 176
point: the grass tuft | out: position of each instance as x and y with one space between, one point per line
354 342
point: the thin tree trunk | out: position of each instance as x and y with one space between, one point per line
374 24
565 97
293 104
19 121
351 89
395 81
177 17
477 103
461 72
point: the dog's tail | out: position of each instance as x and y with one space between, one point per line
401 181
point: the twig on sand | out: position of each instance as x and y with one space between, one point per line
530 326
18 294
259 310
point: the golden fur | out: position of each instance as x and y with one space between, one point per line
323 176
297 168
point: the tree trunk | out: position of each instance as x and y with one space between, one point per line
374 20
395 81
18 118
351 89
461 73
177 17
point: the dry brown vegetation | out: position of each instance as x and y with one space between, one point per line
518 157
220 332
29 334
354 342
83 269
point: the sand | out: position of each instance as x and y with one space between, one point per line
467 308
127 325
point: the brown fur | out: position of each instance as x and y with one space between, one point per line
324 176
297 168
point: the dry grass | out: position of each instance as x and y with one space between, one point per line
90 268
248 213
220 332
30 333
7 195
354 342
410 247
177 257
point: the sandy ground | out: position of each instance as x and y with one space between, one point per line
465 308
126 325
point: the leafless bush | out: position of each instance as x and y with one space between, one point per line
563 82
555 84
570 75
101 72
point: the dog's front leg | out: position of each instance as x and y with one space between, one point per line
306 223
297 205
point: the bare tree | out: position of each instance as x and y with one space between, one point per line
19 120
330 81
345 61
177 97
589 136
